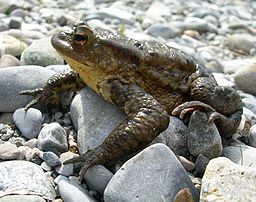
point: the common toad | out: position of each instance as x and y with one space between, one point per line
148 80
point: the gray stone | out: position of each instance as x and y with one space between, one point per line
70 191
157 11
41 52
245 78
53 138
68 169
8 60
241 154
200 165
223 79
22 198
11 45
31 143
23 177
15 22
45 166
252 136
226 181
203 138
187 164
231 66
97 178
242 43
51 159
16 79
155 174
58 68
214 66
250 103
93 118
28 122
8 151
164 31
175 137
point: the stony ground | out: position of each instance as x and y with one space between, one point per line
33 145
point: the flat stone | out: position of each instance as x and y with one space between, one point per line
164 31
8 60
51 159
70 191
24 178
53 138
68 169
16 79
203 138
11 45
41 53
155 174
97 178
226 181
28 122
8 151
241 154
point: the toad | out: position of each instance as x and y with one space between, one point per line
149 81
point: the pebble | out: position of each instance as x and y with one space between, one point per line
241 43
41 53
144 179
24 177
68 169
53 138
11 45
31 143
164 31
71 192
241 154
51 159
8 151
22 198
8 60
203 138
245 78
93 118
97 178
200 165
226 181
187 164
16 79
28 122
252 136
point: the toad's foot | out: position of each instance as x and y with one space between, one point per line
41 95
188 107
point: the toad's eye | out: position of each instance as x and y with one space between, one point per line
82 35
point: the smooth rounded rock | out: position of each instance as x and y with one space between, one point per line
68 169
155 174
226 181
8 60
8 151
22 198
11 45
41 53
16 79
28 122
23 177
203 138
252 136
53 138
164 31
51 159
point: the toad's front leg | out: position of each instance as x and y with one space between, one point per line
146 119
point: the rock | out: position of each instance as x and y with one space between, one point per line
175 137
250 103
41 52
51 159
252 136
22 198
241 154
8 60
15 23
200 165
31 143
203 138
53 138
68 169
28 122
8 151
24 178
93 118
223 79
16 79
157 11
226 181
245 78
58 68
70 191
45 166
241 43
187 164
161 30
231 66
11 45
97 178
155 174
214 66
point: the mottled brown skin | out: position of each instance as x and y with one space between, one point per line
149 81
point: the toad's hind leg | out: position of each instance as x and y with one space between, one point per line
146 120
